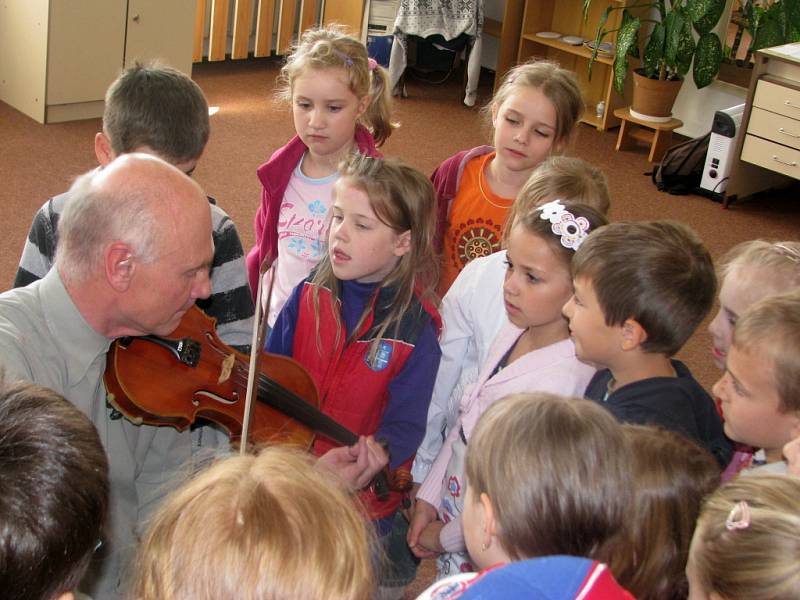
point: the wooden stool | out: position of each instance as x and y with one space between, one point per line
660 138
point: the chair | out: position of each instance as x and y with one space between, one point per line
448 18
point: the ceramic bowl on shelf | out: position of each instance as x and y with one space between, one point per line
551 35
604 49
573 40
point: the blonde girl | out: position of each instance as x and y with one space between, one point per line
256 528
472 310
532 114
340 105
749 272
747 542
546 475
362 322
533 352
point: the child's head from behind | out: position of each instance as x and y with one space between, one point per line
545 475
562 178
540 247
251 527
158 110
760 389
671 477
749 272
54 476
332 84
639 286
534 112
747 541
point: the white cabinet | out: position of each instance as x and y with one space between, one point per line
57 57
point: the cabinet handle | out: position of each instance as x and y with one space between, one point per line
783 162
784 132
135 19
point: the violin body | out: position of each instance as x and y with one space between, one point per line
150 384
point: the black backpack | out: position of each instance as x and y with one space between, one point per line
681 169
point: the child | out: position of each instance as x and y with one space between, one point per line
473 310
641 289
158 110
254 527
749 272
531 353
546 475
54 477
671 477
747 542
362 323
532 114
340 105
760 389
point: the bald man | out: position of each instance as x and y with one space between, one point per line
135 250
134 253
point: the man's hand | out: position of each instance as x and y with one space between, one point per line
424 515
355 465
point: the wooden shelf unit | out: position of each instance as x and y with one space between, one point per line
566 17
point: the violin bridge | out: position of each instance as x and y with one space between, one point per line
227 367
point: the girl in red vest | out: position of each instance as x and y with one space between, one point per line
363 323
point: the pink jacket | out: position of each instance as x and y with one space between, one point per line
274 176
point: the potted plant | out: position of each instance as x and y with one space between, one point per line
661 35
767 23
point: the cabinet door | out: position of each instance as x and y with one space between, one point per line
86 45
161 29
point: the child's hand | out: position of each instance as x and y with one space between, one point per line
429 539
791 452
356 465
424 514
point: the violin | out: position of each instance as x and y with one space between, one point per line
193 374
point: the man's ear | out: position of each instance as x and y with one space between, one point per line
403 243
633 334
102 149
120 266
66 596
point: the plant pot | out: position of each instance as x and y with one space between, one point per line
653 98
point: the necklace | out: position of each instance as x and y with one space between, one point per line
480 185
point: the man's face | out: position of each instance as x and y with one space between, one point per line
163 290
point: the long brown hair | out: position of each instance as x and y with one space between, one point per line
403 199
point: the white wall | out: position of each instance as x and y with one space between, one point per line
23 56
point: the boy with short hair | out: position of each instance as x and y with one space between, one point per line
760 389
641 289
158 110
54 481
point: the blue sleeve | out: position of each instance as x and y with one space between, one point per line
403 421
281 337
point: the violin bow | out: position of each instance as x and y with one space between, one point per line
260 320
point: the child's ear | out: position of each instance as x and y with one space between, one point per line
403 243
120 266
633 334
489 518
102 149
363 105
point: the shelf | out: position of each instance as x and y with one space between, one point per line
581 50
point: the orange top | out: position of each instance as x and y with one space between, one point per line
475 224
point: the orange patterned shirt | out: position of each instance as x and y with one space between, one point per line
475 224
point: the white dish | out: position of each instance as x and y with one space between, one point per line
548 34
573 40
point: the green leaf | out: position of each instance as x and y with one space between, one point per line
654 51
627 36
707 58
686 49
792 10
705 14
673 24
771 28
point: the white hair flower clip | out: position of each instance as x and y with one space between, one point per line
572 230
